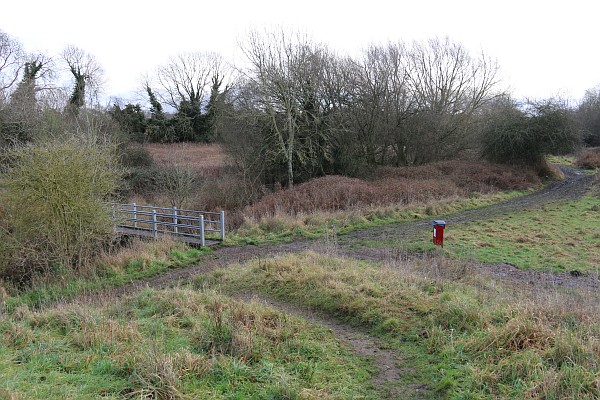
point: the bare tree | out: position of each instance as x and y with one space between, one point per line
447 86
189 77
381 104
286 72
87 73
11 62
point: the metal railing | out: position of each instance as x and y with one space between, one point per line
191 226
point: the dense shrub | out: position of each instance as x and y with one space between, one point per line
55 197
135 155
524 134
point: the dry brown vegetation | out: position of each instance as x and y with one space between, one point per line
589 158
406 185
208 160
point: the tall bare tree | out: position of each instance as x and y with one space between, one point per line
11 62
382 102
188 77
286 71
447 86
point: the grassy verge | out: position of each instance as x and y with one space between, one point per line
558 237
140 261
467 335
174 344
283 227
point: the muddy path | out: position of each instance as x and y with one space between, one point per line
387 362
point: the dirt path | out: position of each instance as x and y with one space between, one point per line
574 186
386 361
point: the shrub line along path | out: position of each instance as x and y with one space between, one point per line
574 186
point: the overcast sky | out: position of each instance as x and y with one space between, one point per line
544 47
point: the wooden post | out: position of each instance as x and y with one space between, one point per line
202 242
154 230
222 214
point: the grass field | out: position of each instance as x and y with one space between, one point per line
205 159
172 344
460 331
558 237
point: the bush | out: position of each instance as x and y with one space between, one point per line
589 159
523 134
135 155
55 196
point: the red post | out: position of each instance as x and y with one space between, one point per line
438 232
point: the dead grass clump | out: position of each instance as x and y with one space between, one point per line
155 376
517 334
100 333
589 158
140 250
238 329
16 335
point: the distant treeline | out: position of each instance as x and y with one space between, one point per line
297 110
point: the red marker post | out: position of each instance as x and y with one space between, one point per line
438 232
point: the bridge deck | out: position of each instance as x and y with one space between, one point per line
180 238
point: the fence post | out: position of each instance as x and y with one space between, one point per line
222 213
134 208
175 220
202 243
154 231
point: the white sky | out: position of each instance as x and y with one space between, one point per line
544 47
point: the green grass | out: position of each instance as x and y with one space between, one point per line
106 277
461 333
171 344
561 236
568 160
285 228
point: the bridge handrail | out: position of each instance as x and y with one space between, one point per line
181 222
